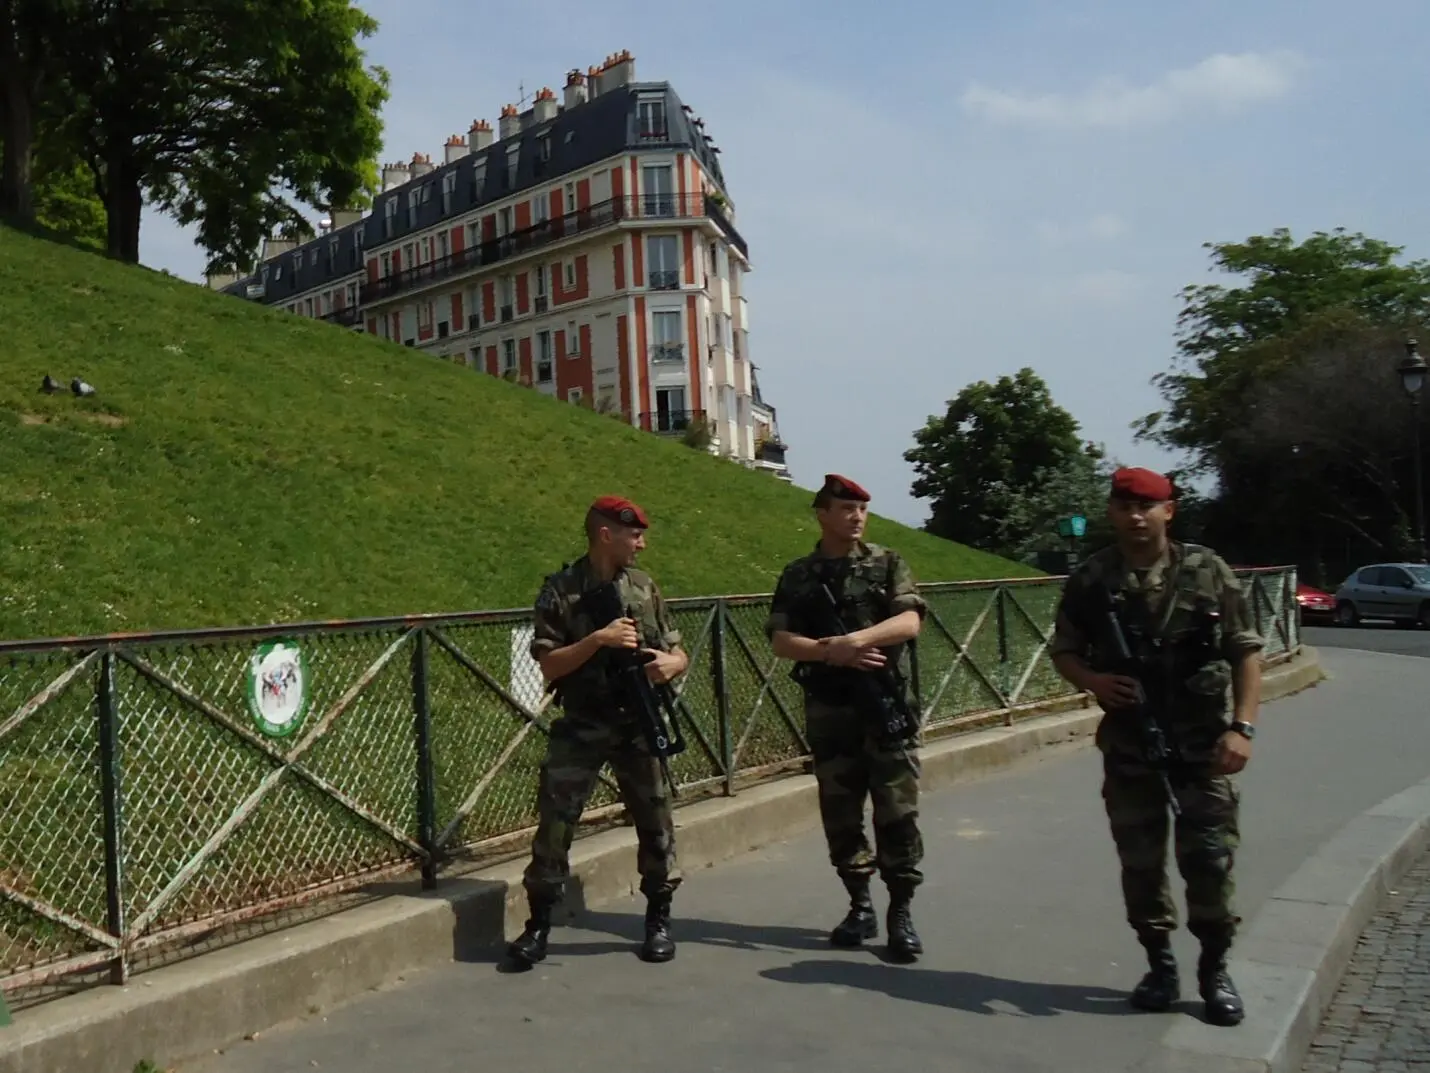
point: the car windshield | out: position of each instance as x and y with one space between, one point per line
1420 573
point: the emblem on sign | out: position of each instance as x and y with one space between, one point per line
278 688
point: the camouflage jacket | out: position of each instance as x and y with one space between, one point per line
1166 611
872 583
560 619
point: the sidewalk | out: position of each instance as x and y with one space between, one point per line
1379 1021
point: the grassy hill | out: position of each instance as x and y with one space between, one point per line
239 465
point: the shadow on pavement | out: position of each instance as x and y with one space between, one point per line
969 991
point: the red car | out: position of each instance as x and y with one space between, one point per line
1315 605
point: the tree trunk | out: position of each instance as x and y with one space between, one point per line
16 194
124 203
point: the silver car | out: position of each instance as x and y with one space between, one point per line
1399 591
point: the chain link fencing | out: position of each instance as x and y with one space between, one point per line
161 790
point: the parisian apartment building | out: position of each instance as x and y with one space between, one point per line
586 248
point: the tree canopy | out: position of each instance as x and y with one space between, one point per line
1284 387
233 115
1003 463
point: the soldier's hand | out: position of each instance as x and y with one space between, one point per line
663 666
1232 753
869 659
1115 690
619 634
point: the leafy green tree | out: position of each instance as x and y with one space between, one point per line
1281 388
31 81
1076 484
1000 464
232 114
1233 338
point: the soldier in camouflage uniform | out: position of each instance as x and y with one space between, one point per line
595 728
882 608
1186 617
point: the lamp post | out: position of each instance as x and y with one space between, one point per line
1412 378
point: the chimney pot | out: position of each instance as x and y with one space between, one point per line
510 122
575 89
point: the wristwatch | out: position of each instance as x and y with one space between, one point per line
1246 730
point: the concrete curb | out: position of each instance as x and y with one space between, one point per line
1289 962
194 1007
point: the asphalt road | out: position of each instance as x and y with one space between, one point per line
1370 637
1028 957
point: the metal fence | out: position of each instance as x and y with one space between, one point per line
158 788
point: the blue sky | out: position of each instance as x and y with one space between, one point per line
945 193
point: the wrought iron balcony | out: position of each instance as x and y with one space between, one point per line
631 207
670 421
665 279
672 352
347 316
771 451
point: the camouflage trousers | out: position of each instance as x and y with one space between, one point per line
580 743
1205 840
850 765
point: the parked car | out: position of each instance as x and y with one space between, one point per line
1398 591
1315 605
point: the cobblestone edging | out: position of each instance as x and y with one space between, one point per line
1379 1021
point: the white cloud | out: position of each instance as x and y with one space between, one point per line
1223 83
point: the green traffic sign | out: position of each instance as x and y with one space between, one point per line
1074 525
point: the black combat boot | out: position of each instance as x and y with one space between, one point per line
904 942
658 945
1162 985
530 946
1220 999
859 923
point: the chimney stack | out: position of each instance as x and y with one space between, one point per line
394 175
575 88
544 108
593 80
509 123
421 164
456 148
219 280
620 70
275 247
346 218
481 135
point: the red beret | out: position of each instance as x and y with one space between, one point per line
1137 483
837 487
620 509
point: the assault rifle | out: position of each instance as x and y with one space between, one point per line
654 705
1155 752
878 692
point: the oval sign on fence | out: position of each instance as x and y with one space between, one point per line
278 688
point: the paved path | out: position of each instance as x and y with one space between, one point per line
1028 960
1380 1019
1370 637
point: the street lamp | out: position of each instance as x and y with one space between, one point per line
1412 378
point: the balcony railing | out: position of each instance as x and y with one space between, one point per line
347 316
666 279
673 352
670 421
574 224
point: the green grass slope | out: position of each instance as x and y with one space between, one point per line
239 466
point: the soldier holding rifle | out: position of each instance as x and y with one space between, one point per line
844 613
580 650
1158 630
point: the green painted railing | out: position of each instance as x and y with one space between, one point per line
163 791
